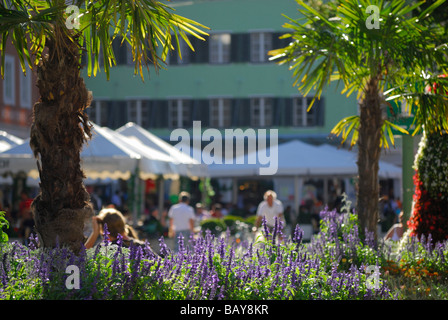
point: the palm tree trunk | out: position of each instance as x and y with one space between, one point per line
58 133
369 149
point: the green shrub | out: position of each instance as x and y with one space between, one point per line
4 224
215 225
251 220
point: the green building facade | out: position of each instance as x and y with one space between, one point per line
228 82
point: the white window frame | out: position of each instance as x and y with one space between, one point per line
145 112
138 111
264 107
9 81
300 106
178 105
220 104
219 49
25 88
260 44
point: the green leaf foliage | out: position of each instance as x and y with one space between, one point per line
150 27
405 55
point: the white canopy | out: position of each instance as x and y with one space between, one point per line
296 158
186 165
296 161
386 169
106 155
8 141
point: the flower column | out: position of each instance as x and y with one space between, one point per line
430 213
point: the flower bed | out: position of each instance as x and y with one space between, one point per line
334 265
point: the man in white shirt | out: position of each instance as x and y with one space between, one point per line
182 218
269 208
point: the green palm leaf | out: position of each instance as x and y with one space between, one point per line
145 25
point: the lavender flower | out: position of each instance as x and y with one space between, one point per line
298 235
106 234
266 231
164 250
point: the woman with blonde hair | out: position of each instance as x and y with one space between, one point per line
116 224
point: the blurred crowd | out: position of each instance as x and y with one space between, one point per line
153 224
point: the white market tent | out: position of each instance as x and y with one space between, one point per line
186 165
297 161
386 169
8 141
152 162
296 158
106 155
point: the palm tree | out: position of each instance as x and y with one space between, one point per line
47 37
385 63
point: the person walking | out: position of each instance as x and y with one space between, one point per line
270 208
181 219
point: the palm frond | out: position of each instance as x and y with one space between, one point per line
25 24
343 49
147 26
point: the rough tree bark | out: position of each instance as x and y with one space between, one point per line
369 151
59 130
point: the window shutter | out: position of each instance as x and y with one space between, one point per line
204 112
120 50
279 43
173 55
320 112
288 112
279 115
200 112
240 47
242 112
200 54
159 114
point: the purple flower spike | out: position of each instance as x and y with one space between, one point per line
298 236
119 240
106 234
265 228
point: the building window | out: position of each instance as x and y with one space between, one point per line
25 88
139 112
261 112
302 117
94 112
145 113
179 113
135 111
220 48
260 44
220 113
9 90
